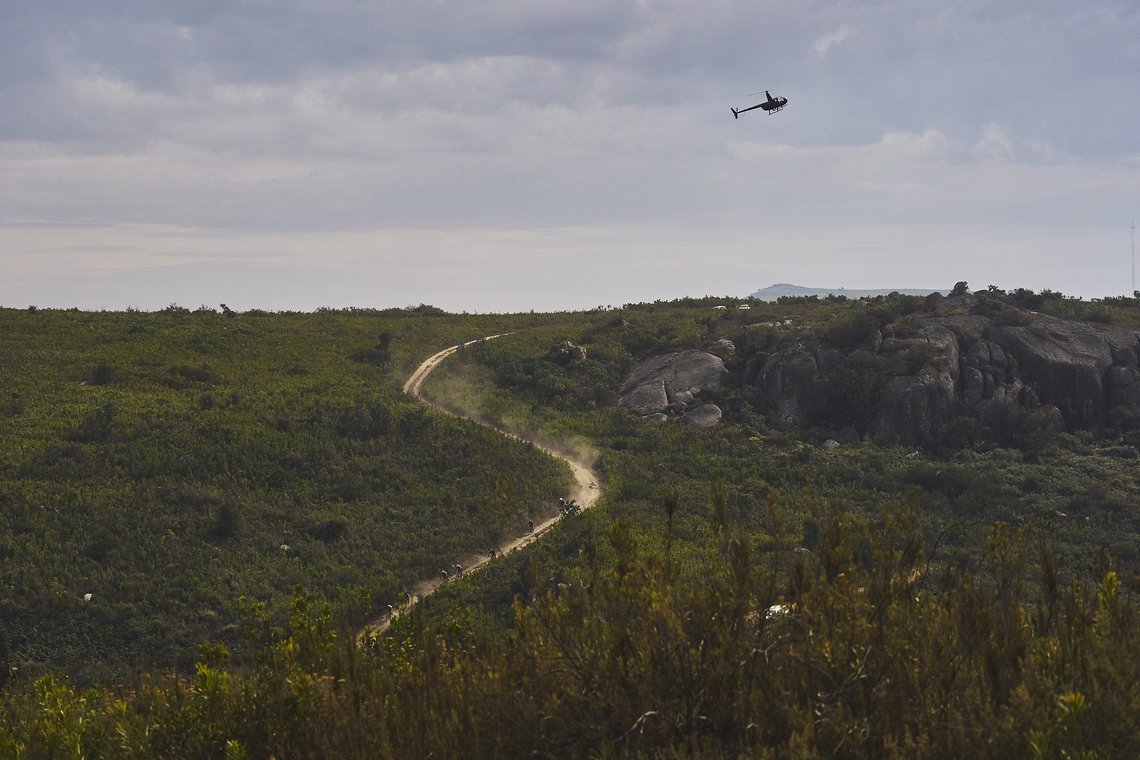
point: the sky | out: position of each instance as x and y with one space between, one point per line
517 155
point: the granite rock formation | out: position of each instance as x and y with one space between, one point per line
668 385
936 367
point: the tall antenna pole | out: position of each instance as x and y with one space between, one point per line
1134 257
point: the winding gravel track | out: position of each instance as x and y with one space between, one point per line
587 490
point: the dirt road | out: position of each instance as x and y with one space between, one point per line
587 490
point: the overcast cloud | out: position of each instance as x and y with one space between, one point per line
510 155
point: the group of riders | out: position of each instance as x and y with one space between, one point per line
565 509
568 508
457 569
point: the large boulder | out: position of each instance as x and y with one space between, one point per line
647 397
704 416
671 381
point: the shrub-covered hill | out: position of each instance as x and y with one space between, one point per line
740 590
991 460
178 467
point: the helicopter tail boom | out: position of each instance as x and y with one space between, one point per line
737 111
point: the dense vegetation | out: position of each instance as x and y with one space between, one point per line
179 467
844 653
739 590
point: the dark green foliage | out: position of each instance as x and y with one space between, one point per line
103 374
1001 425
161 461
849 393
182 376
226 521
365 419
759 340
1005 307
379 355
852 330
908 624
845 652
97 425
329 530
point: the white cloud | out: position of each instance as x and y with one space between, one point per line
931 144
823 44
995 143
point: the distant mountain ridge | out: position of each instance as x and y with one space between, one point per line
772 292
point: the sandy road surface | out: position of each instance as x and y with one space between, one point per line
587 489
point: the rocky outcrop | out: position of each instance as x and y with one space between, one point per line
566 352
669 385
912 404
1082 369
930 369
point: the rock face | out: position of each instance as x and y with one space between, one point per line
911 406
1082 369
670 383
1080 375
787 380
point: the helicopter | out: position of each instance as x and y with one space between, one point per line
771 105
